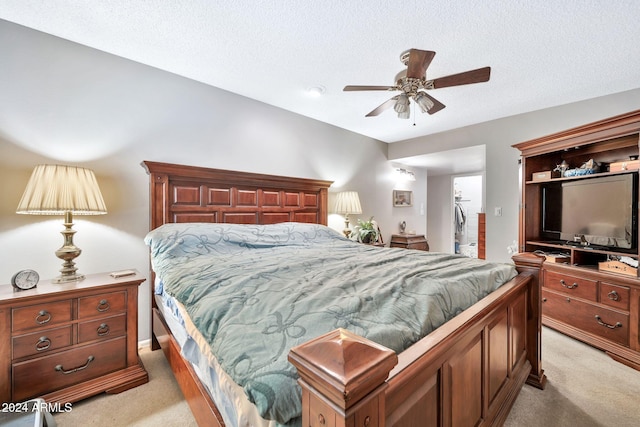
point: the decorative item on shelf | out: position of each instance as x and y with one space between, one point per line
562 168
403 227
402 198
624 165
367 232
63 190
615 266
541 176
587 168
347 202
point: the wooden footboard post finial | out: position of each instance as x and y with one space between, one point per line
532 263
342 376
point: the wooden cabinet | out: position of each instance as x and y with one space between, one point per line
579 297
578 300
409 241
66 342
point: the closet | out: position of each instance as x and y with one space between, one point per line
467 205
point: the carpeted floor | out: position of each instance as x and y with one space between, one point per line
156 403
585 389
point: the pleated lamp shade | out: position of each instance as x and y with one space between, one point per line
348 202
57 189
68 191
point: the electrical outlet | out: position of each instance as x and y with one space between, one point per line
497 212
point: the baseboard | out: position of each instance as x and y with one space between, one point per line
144 345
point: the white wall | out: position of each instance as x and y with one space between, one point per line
65 103
439 213
502 179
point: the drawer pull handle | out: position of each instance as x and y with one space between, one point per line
321 419
613 296
43 344
600 322
59 368
103 305
103 330
43 317
563 283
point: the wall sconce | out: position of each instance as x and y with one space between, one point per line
405 175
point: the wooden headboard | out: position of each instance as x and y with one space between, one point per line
181 193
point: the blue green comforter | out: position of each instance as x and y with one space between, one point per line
255 291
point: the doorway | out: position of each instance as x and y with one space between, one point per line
467 204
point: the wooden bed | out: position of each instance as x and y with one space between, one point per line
467 372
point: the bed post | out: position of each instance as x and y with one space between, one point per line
532 263
343 379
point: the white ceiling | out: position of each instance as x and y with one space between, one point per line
543 53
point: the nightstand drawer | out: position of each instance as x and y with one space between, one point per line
101 305
41 342
56 371
572 286
603 322
41 315
102 329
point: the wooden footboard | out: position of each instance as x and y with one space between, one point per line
466 373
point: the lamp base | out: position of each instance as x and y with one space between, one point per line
347 230
68 252
68 278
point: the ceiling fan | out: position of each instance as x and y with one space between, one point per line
413 83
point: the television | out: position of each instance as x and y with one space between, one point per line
599 211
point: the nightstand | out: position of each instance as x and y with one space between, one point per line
409 241
65 342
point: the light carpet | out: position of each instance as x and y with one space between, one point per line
585 388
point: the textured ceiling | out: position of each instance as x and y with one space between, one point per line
543 53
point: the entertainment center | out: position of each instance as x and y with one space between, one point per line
579 208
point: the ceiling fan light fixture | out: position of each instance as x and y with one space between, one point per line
424 102
405 114
402 104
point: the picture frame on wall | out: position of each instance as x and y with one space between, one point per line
402 198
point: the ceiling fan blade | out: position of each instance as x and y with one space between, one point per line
382 107
354 88
419 60
437 105
468 77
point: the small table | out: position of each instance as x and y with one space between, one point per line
409 241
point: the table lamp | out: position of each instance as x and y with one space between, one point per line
63 190
348 202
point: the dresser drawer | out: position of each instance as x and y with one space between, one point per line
102 329
614 295
41 342
46 374
606 323
572 286
101 305
40 316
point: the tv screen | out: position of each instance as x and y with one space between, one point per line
600 211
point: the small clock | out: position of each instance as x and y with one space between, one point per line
25 279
